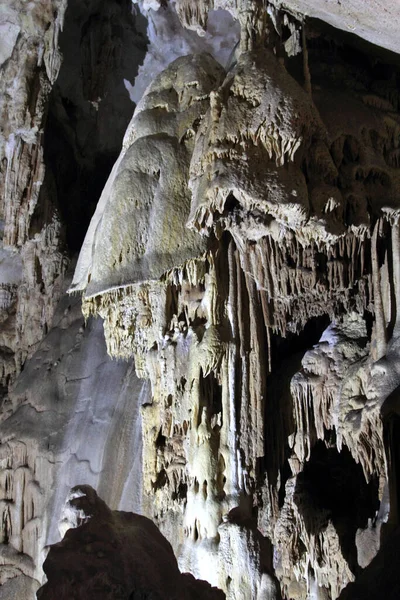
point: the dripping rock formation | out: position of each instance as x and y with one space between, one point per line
199 299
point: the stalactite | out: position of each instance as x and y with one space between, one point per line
379 345
396 270
307 76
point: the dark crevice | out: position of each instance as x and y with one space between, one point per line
392 449
180 495
284 347
286 354
332 487
90 108
210 396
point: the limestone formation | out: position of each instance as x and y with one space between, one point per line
55 428
244 258
31 238
113 554
145 235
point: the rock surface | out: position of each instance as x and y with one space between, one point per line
73 414
381 578
111 554
374 21
287 242
244 258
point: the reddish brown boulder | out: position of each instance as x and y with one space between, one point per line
113 555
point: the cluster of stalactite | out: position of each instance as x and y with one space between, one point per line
24 475
236 430
202 335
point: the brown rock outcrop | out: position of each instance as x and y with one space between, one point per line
107 555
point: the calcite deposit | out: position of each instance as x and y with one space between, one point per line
244 260
31 232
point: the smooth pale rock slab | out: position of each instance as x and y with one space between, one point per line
375 21
8 36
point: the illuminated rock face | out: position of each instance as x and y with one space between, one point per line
244 257
286 244
145 235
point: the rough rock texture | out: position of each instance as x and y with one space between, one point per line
291 202
70 417
374 21
145 235
32 263
245 259
62 124
113 554
50 141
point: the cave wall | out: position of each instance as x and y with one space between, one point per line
244 260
